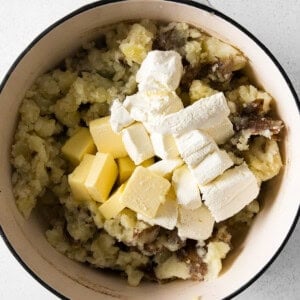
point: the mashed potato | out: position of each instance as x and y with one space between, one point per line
81 90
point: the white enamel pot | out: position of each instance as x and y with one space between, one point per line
271 228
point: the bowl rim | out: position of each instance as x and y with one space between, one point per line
186 2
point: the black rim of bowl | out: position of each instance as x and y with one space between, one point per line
190 3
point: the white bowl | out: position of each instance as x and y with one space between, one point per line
273 225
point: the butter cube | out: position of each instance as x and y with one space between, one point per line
167 213
78 145
113 206
145 191
102 176
137 143
78 177
105 139
126 167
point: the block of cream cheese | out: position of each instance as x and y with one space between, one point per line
194 146
78 145
126 167
145 191
105 139
196 224
167 213
146 105
206 112
221 132
166 167
163 67
137 143
113 206
102 176
77 178
230 192
186 188
164 145
119 116
212 166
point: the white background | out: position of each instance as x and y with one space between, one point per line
275 22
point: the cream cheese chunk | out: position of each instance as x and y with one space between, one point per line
212 166
160 67
119 116
145 191
186 188
221 132
196 224
166 167
204 113
164 145
166 215
230 192
148 105
194 146
137 143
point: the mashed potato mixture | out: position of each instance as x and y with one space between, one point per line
87 174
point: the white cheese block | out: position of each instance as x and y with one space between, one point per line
137 143
230 192
148 105
212 166
236 204
119 116
194 146
162 67
196 224
166 167
164 145
204 113
186 188
221 132
166 215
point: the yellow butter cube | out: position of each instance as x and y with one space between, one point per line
145 191
78 145
102 176
126 167
78 177
113 206
105 139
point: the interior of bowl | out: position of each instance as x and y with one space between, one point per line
77 281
